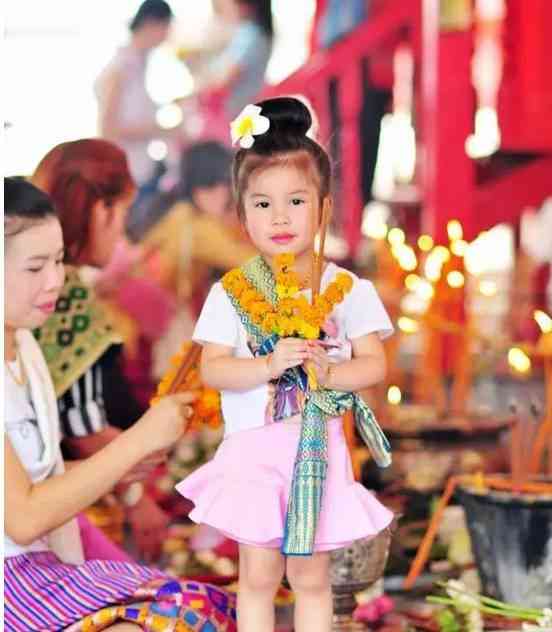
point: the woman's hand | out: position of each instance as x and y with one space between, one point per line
163 424
319 360
288 352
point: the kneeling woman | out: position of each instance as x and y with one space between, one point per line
47 584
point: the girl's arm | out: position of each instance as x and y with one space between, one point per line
34 509
221 370
368 366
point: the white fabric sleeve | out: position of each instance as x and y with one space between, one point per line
218 322
365 313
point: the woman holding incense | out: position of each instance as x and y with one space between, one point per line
281 483
47 583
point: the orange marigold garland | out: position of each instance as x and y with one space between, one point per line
292 315
183 375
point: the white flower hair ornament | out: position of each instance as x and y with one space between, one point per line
248 124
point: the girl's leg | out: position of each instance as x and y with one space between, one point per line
261 571
124 627
309 578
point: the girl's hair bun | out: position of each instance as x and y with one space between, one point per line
288 116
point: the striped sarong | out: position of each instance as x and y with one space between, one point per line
43 594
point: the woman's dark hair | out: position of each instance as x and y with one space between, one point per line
285 142
24 204
151 11
204 165
262 14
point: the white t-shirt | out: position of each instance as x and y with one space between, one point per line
21 428
361 313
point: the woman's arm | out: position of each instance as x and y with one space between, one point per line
34 509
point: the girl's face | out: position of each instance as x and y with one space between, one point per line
281 207
33 274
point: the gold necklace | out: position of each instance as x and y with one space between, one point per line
21 381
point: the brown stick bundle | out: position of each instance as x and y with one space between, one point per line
189 360
492 482
318 258
542 441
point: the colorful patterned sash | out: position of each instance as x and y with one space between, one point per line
311 462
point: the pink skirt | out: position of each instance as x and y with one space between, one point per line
243 492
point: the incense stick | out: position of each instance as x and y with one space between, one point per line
516 454
318 258
187 363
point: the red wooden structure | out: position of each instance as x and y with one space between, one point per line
451 184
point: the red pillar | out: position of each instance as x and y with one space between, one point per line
446 108
350 104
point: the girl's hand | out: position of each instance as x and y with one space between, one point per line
163 424
289 352
318 356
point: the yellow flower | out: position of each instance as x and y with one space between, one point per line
286 307
249 296
323 305
333 294
238 288
286 291
258 310
289 279
309 331
260 307
301 302
344 281
233 275
269 322
283 261
284 326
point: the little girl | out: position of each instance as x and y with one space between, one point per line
281 483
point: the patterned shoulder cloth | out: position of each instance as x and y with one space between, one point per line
77 334
311 462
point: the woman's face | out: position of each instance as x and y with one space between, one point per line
228 10
156 32
107 226
33 274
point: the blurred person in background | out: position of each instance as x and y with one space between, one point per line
91 186
196 239
235 75
127 113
